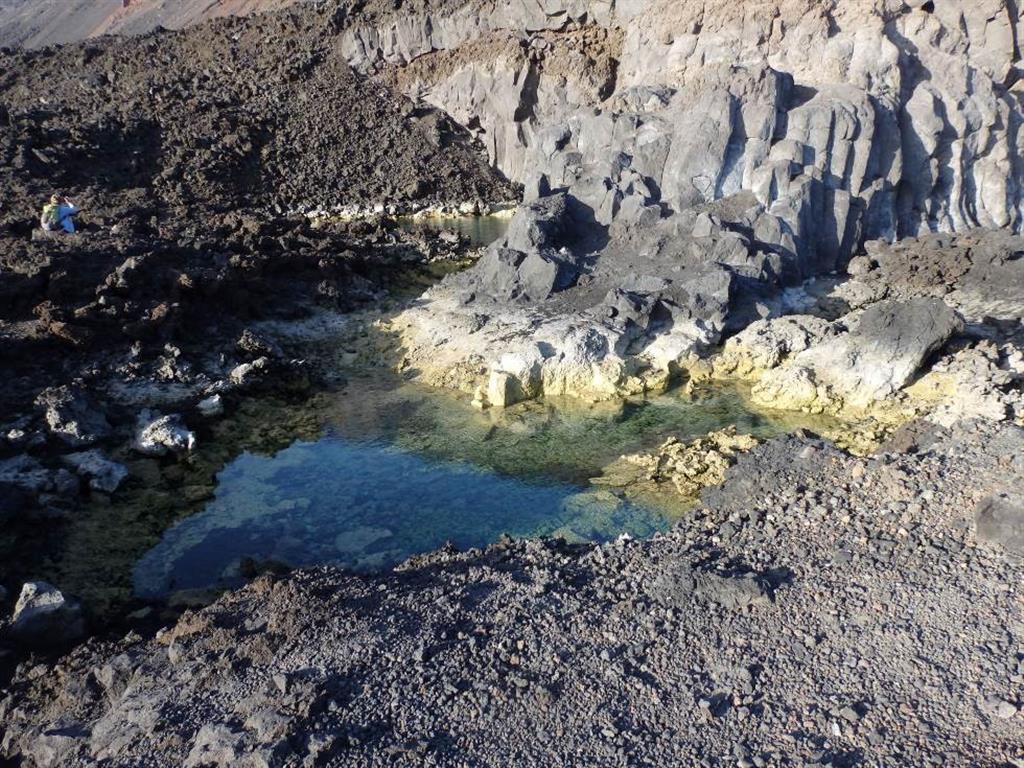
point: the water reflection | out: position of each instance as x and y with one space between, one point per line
479 231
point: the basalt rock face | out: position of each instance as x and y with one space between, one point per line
846 121
711 157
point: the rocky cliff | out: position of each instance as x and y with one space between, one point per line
845 121
709 155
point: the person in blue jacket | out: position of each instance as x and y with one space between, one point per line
59 214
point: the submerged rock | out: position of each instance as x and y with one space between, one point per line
687 467
248 374
26 473
102 473
28 486
13 502
254 346
211 407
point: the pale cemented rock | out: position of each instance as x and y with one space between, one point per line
211 407
247 374
72 416
166 434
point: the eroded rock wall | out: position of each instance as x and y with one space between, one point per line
850 121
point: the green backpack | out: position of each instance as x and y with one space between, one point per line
51 216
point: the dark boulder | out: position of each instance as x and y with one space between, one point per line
999 521
44 617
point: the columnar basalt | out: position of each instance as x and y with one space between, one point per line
848 121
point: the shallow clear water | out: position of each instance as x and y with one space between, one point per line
401 469
366 505
478 230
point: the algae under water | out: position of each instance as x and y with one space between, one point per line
400 469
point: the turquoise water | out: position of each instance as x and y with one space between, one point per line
401 469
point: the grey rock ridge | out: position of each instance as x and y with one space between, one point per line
869 364
817 610
102 473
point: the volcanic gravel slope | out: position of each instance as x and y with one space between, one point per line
183 150
35 23
260 111
820 610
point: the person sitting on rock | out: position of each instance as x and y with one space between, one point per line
59 214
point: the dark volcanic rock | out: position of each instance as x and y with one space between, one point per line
217 117
661 652
908 332
999 520
681 584
44 618
185 152
102 473
72 416
532 261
